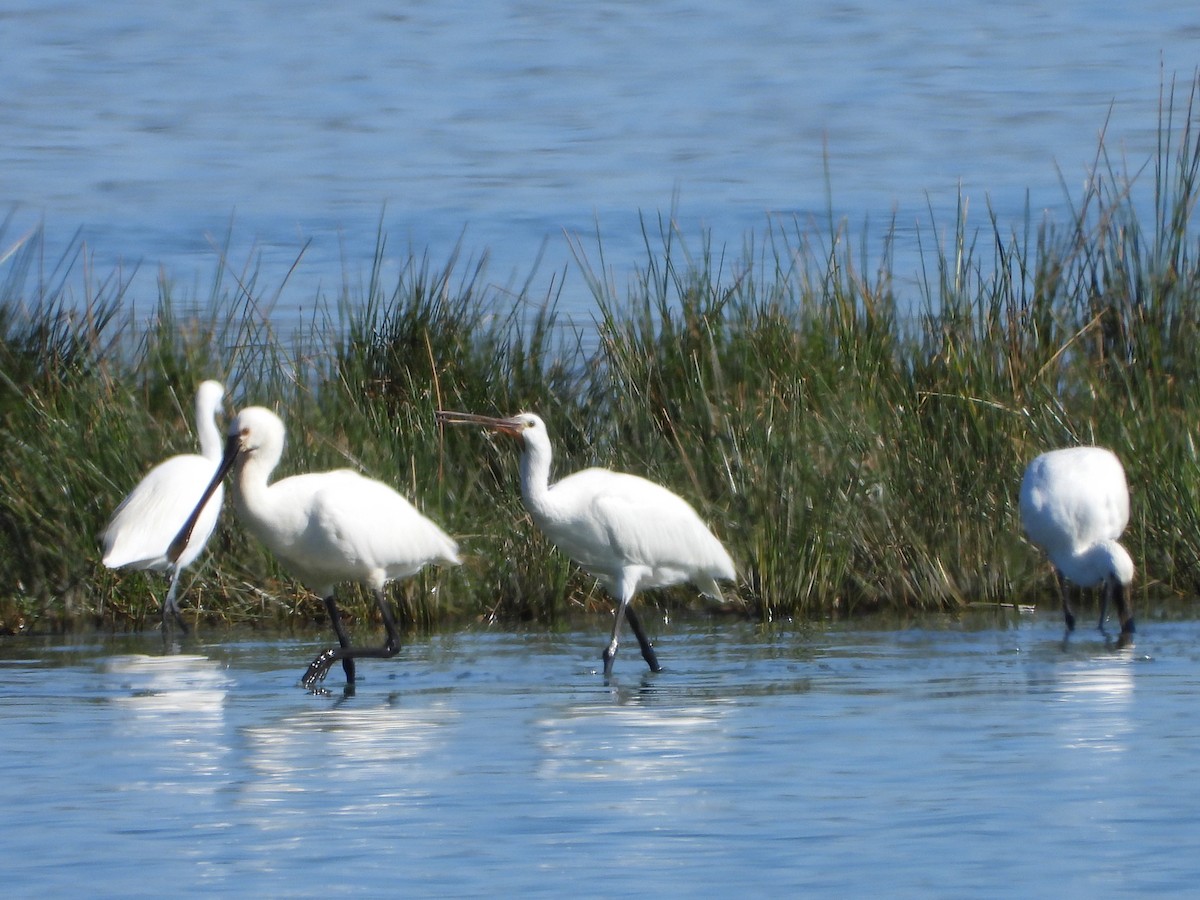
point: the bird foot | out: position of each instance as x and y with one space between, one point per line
1123 641
609 656
318 669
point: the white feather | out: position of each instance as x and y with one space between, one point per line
329 527
1075 506
628 532
142 527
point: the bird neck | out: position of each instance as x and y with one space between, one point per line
211 442
251 491
535 477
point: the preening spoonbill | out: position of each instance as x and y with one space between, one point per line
1074 506
627 532
327 527
140 530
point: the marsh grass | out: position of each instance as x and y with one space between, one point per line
857 444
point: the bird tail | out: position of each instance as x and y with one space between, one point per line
116 559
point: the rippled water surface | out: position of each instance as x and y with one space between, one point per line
952 759
510 124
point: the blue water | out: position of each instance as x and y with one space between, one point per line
972 758
517 127
943 759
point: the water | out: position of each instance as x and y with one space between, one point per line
515 126
941 759
970 758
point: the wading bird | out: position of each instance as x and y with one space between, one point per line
326 528
627 532
140 530
1074 506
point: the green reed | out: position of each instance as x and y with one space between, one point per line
856 441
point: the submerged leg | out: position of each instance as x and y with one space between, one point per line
648 654
623 589
319 667
1124 613
170 607
610 652
1066 602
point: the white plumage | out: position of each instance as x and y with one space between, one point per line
140 530
628 532
1075 506
329 527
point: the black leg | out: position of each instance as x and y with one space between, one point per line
1104 591
644 642
391 645
1066 602
610 652
319 667
170 607
1125 614
339 628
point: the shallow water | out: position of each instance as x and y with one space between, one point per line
953 758
308 125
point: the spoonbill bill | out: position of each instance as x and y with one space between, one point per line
326 528
141 528
627 532
1075 506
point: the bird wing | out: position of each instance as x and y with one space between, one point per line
372 526
142 527
1079 497
632 521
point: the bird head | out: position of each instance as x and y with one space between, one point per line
210 393
1108 566
521 426
253 431
1121 564
1118 585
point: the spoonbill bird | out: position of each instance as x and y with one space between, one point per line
627 532
326 527
140 530
1074 506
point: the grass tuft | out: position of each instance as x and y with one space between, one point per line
858 447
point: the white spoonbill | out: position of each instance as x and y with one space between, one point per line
327 527
1074 506
627 532
140 530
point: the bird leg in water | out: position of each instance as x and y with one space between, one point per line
170 608
625 611
1124 612
319 667
610 652
643 641
343 639
1066 602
